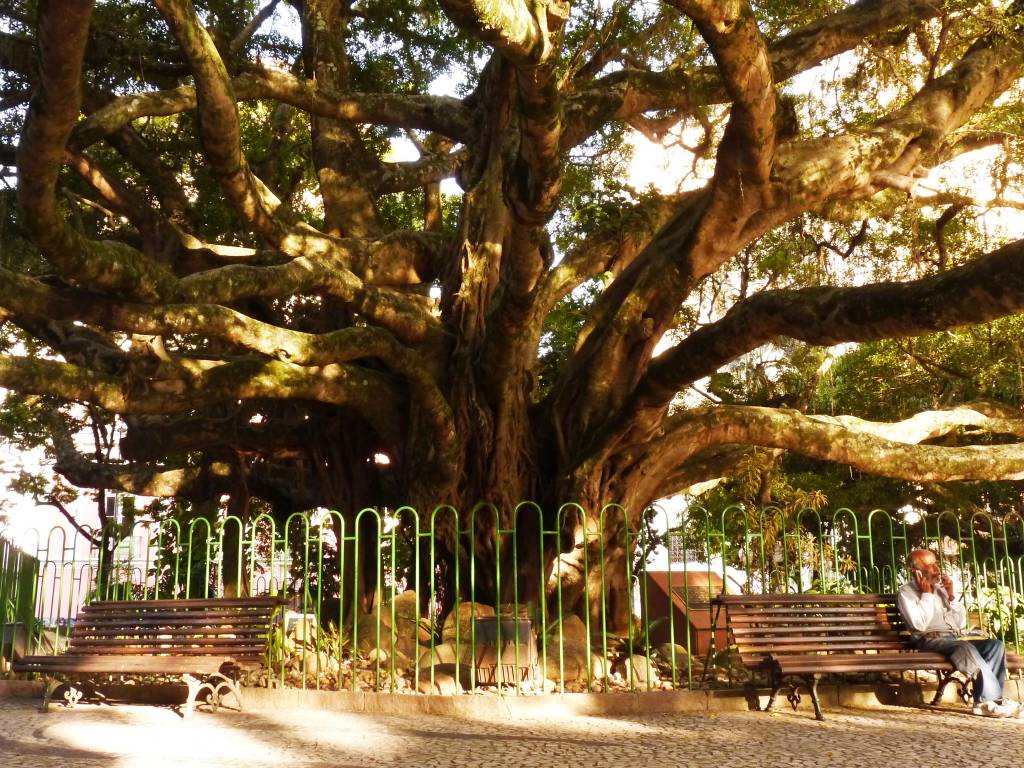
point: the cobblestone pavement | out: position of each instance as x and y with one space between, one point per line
145 736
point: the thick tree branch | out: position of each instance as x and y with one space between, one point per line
402 177
809 172
610 250
984 289
627 93
198 483
160 239
343 163
242 38
518 30
440 114
219 124
368 392
312 351
287 486
731 32
699 473
528 35
639 307
113 266
18 54
889 450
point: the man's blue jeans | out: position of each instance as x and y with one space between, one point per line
982 660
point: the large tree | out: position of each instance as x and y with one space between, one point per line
214 243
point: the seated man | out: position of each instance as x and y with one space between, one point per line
936 620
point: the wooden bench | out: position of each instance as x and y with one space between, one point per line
807 636
207 643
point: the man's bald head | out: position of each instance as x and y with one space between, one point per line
921 559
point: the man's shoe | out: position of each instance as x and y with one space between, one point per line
995 709
1016 706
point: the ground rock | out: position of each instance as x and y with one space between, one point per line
366 632
444 680
644 670
663 655
569 663
598 667
409 620
463 617
664 652
445 653
571 630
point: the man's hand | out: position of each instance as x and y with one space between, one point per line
924 584
947 584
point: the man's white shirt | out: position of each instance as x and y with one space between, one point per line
930 611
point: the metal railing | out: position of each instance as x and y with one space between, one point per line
353 626
19 630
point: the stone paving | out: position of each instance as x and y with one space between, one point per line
144 736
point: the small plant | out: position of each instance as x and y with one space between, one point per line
1001 610
636 643
333 641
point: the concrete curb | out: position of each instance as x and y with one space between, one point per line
488 706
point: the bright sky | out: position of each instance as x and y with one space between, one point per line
21 512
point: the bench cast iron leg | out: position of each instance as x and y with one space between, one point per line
944 680
221 685
776 685
965 690
814 697
72 696
194 686
52 684
236 688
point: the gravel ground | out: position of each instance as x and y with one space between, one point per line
144 736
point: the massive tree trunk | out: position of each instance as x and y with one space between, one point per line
274 356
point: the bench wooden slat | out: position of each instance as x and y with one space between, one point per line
221 602
170 650
211 642
788 610
127 664
96 632
821 644
752 631
878 633
804 597
191 615
206 642
145 625
192 610
179 621
745 620
918 658
869 664
770 650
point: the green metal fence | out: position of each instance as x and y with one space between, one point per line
19 630
377 602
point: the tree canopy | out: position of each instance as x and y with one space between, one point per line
214 258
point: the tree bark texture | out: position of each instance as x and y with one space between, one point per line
275 357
